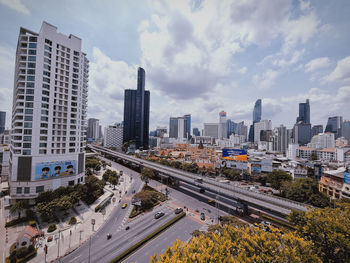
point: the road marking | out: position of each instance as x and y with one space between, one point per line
74 259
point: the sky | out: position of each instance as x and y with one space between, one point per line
200 57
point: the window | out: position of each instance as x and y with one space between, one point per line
27 125
71 183
42 151
26 152
43 138
30 85
31 71
46 80
47 48
43 118
31 65
30 78
32 52
29 98
47 41
28 111
31 58
45 99
26 190
42 144
43 131
45 112
46 86
19 190
27 138
46 60
28 118
47 54
29 105
29 91
32 39
39 189
28 132
27 145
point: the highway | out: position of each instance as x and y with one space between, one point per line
276 205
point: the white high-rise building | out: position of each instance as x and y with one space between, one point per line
113 136
211 129
222 125
93 129
280 139
322 140
262 125
49 112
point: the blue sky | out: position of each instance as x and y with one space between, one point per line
200 57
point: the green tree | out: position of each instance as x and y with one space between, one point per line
113 181
277 177
232 221
304 190
245 244
328 229
18 207
147 174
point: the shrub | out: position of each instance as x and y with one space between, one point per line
32 223
51 228
72 220
21 252
15 221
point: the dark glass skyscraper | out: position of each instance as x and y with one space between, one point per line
188 125
136 113
304 112
256 118
2 121
334 125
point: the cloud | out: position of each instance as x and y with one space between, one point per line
317 63
266 80
16 5
242 70
341 73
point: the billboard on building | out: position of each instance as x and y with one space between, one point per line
54 169
266 165
234 164
234 154
347 178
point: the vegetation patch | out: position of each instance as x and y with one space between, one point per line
51 228
21 255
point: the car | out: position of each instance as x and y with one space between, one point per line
211 202
124 205
201 190
109 236
158 215
202 216
127 228
178 210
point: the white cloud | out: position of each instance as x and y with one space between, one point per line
317 63
304 5
16 5
266 80
341 73
242 70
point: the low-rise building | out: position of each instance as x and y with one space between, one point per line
26 237
332 183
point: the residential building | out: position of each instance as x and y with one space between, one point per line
341 142
332 183
292 152
302 133
241 129
256 118
93 130
316 129
322 140
5 137
260 126
304 112
136 112
2 121
211 129
113 136
334 125
49 121
280 139
222 125
196 132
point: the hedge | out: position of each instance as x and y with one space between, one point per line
16 221
27 257
147 238
51 228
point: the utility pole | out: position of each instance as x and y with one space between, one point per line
89 247
58 249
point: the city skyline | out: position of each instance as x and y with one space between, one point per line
305 57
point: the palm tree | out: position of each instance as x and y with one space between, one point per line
18 207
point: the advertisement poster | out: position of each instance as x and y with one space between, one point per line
235 165
55 169
347 178
234 154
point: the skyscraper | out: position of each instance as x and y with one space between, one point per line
188 125
2 121
93 130
256 118
280 143
231 127
196 132
178 127
304 112
346 130
136 113
222 125
49 112
334 125
260 126
316 129
302 133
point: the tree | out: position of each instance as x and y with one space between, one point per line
18 207
147 174
328 229
245 244
232 221
277 177
304 190
113 181
200 146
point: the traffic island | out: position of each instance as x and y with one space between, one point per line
148 238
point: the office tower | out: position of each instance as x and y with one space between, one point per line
113 136
323 140
178 127
256 118
280 142
196 132
302 133
304 112
93 130
136 113
2 121
334 125
260 126
346 130
173 127
100 134
222 125
49 112
161 131
211 129
188 125
316 129
231 127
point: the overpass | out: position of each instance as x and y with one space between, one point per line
270 204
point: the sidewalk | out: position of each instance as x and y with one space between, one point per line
68 238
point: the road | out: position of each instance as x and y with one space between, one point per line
265 202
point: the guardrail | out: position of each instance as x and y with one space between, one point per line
279 201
